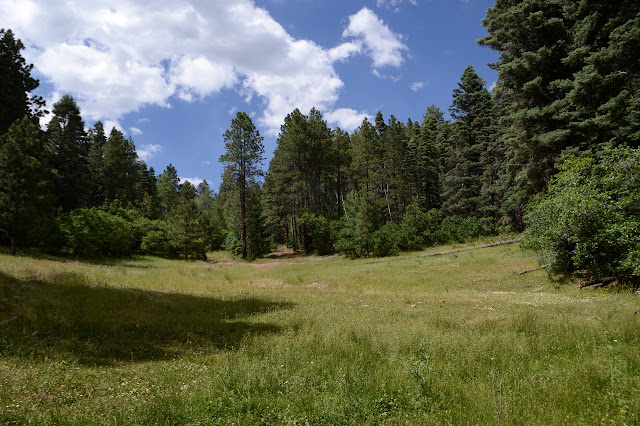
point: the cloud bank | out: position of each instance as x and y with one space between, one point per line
117 56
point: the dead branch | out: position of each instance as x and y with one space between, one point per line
530 270
599 282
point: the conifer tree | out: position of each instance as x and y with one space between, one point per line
242 164
26 178
471 110
70 155
16 84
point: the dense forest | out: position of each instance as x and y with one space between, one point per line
553 149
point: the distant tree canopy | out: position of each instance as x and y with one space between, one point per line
566 101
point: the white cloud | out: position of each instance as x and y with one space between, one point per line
193 180
493 86
135 131
384 46
206 162
416 85
117 56
344 50
346 118
147 151
393 3
110 124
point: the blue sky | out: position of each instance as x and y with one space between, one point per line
172 76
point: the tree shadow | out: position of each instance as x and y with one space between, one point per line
68 317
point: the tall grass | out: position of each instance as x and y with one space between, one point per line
416 340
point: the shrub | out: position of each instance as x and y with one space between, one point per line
93 232
589 217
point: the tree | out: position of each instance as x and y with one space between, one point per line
97 141
185 228
122 170
167 190
16 83
589 217
70 155
471 110
25 178
242 163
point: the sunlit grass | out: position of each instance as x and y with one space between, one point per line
412 340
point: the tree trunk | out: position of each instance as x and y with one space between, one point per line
243 221
13 240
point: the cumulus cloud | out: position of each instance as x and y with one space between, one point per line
193 180
416 85
117 56
346 118
135 131
383 46
147 151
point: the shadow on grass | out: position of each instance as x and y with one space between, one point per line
69 318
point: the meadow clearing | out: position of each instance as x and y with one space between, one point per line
451 339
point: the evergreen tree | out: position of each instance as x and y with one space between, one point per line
97 141
25 179
185 228
472 112
167 190
16 83
70 155
122 170
242 164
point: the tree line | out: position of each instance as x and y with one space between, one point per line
568 76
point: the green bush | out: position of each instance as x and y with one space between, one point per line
93 232
589 217
157 240
385 240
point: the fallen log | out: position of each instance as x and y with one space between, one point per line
526 271
442 253
599 282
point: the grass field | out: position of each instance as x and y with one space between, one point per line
453 339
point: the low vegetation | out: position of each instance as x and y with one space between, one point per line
457 338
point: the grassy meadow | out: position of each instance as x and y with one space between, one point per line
452 339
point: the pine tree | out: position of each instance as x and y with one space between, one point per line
16 83
70 155
242 164
167 190
97 141
184 222
25 179
462 182
122 170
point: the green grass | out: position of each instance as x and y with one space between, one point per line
323 340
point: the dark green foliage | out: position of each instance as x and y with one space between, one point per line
186 233
464 172
307 176
70 155
418 228
157 240
589 217
94 232
25 180
319 232
97 141
122 171
385 240
15 84
460 229
242 161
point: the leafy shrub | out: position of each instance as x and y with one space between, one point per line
157 240
460 229
319 231
385 240
589 217
418 229
93 232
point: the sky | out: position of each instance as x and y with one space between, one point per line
172 74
